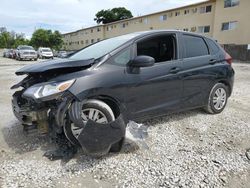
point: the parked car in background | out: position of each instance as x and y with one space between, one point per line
9 53
62 54
136 76
26 53
45 53
12 54
5 52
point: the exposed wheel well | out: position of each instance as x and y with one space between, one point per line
226 84
112 103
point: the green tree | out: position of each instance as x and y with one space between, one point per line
56 40
112 15
11 39
46 38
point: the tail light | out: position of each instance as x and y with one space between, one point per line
228 59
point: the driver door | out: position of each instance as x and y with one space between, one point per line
154 90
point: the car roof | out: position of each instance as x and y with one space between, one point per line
151 32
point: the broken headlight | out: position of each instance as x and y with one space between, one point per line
48 89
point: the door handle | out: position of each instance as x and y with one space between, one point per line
174 70
212 61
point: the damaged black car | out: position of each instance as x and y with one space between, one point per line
90 96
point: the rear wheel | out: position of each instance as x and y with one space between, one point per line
96 111
217 99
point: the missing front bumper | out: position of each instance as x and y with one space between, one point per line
97 139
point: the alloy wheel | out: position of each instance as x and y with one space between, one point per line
89 114
219 98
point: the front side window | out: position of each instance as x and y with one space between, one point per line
102 48
194 46
161 48
123 57
231 3
229 26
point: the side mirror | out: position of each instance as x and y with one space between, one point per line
142 61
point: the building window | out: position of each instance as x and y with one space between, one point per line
98 39
193 29
145 21
194 10
92 41
204 29
109 28
170 14
186 11
163 17
82 42
98 29
177 13
87 42
231 3
229 26
91 30
123 25
206 9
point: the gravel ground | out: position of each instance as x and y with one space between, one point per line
189 149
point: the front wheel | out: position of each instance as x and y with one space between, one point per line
94 110
217 99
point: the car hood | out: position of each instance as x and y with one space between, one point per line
55 66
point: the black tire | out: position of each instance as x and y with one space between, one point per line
100 105
210 107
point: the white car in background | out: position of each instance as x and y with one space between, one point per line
45 53
24 52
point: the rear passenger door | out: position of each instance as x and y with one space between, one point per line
196 73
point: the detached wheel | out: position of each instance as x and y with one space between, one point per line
217 99
97 111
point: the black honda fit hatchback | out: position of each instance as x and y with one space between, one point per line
131 77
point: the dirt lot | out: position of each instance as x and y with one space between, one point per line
190 149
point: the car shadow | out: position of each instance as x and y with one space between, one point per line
22 143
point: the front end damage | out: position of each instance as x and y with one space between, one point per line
50 115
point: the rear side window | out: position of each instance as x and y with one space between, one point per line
212 46
194 46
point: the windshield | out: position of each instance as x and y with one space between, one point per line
102 48
26 48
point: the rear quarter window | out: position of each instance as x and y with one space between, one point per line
213 46
194 46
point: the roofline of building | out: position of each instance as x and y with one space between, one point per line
138 17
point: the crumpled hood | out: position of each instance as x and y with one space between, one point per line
54 65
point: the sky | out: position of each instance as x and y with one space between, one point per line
24 16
